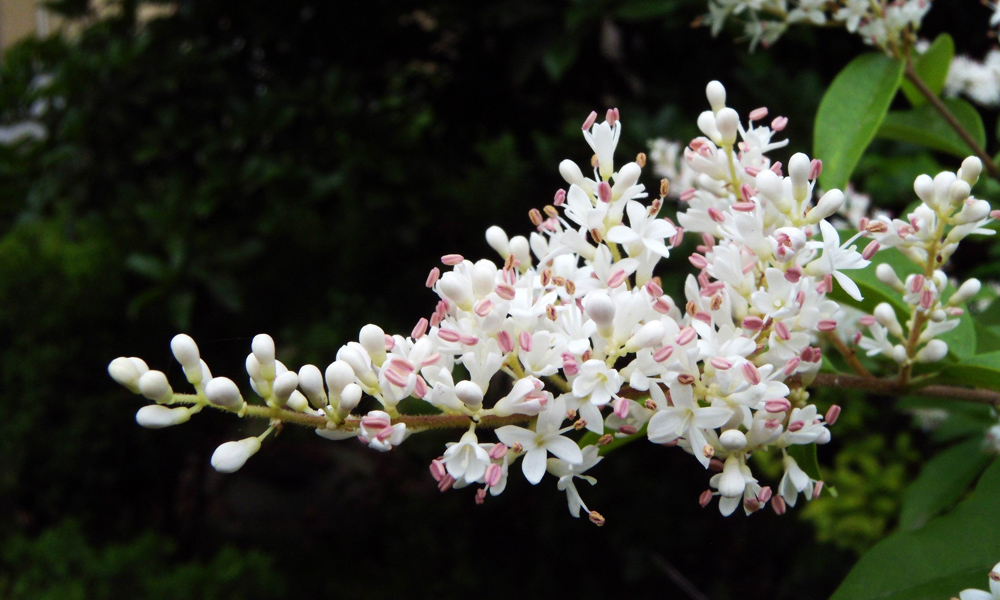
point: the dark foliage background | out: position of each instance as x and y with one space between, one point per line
297 167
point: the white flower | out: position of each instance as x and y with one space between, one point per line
466 459
567 472
993 594
794 481
836 258
684 419
546 438
379 433
603 139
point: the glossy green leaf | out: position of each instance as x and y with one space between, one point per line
932 67
948 554
851 112
924 126
805 457
943 481
982 370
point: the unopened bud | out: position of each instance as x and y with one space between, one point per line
154 385
156 416
229 457
224 393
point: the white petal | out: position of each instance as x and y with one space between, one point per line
533 465
565 449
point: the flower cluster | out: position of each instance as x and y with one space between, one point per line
929 236
979 81
568 341
880 24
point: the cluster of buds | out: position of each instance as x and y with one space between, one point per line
568 341
947 213
880 24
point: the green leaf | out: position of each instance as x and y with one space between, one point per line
924 126
982 370
943 481
850 113
932 67
948 554
805 457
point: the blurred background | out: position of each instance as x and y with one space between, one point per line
227 168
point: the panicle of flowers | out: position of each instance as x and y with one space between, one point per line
947 213
978 81
882 24
568 341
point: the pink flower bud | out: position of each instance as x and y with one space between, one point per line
751 373
758 113
498 451
778 504
438 471
663 353
524 341
559 198
591 119
419 329
621 407
777 405
505 291
653 290
826 325
685 336
720 363
782 330
705 498
779 123
604 192
506 341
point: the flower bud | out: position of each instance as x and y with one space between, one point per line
284 385
627 176
799 168
972 211
484 278
349 399
733 440
601 309
359 364
934 351
828 204
886 317
706 123
970 170
126 372
959 191
372 339
887 275
521 250
570 171
311 383
923 186
496 237
967 290
154 385
338 375
899 354
649 335
263 351
457 289
470 394
186 353
222 392
727 121
156 416
229 457
732 483
716 94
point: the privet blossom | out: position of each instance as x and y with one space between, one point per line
569 341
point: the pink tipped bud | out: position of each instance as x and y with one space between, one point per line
777 405
685 336
758 113
432 277
559 198
720 363
663 353
617 278
524 341
621 407
782 330
493 474
505 291
778 504
506 342
419 329
438 471
705 498
591 119
779 123
751 373
815 168
483 307
832 414
753 323
791 366
826 325
604 192
448 335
